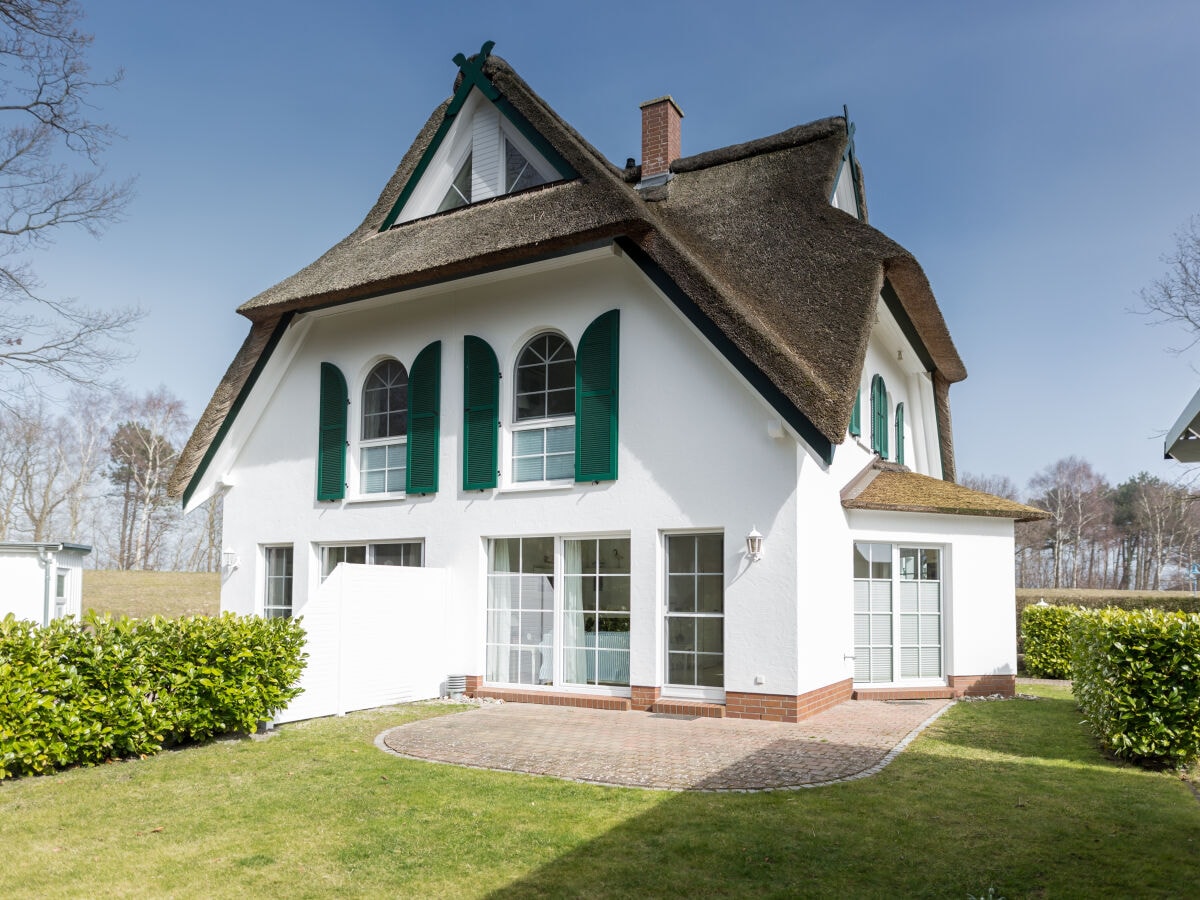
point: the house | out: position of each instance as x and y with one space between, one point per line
672 436
41 580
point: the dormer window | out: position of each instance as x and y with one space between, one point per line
482 155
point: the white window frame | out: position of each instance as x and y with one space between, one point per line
266 607
62 591
683 691
355 463
508 466
898 680
559 683
368 548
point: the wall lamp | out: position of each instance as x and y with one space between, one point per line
754 542
229 560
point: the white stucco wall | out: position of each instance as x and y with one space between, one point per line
22 586
695 454
23 580
979 588
890 354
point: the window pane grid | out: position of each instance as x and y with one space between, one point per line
383 468
596 612
901 640
277 601
695 610
544 454
520 612
545 382
397 553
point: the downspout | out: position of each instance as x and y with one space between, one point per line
47 559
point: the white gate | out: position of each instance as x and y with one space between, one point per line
376 635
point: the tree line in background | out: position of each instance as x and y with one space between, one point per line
93 470
1142 534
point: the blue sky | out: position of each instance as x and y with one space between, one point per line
1035 157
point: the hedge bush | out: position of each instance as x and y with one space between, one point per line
80 693
1137 681
1046 639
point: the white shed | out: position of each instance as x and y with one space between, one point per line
41 580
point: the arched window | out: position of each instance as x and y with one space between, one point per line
544 410
384 435
900 433
879 416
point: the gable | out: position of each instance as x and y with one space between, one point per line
786 290
484 147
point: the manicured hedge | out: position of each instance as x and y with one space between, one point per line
1047 641
1137 681
1095 598
80 693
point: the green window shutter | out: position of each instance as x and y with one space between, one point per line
879 417
855 420
331 450
596 383
900 433
481 414
424 418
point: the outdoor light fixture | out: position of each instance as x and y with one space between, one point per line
754 545
229 560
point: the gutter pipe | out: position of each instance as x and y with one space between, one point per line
46 556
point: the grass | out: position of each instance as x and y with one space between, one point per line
142 594
1011 796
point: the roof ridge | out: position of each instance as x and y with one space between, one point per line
784 140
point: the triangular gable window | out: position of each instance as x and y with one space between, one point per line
482 155
518 173
460 189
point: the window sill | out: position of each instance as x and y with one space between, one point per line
375 498
529 487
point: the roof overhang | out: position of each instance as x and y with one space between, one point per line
1183 440
35 546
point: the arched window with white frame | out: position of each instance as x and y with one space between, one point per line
383 436
543 430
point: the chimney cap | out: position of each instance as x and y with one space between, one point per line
667 98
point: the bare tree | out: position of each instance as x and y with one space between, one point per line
1079 503
143 451
1175 297
44 120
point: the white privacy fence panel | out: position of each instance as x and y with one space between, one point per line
376 635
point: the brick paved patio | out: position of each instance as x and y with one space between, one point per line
636 749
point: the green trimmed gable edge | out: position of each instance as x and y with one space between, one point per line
766 388
236 406
473 77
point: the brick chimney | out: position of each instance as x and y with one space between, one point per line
660 139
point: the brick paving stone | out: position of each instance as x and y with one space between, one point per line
649 750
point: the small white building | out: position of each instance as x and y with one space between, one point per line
41 580
670 435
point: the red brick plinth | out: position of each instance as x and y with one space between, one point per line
958 686
680 707
643 698
983 685
785 707
547 698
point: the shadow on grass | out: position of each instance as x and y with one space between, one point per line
948 818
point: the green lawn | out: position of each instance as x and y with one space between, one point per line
1007 795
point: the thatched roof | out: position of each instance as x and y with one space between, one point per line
893 487
744 237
